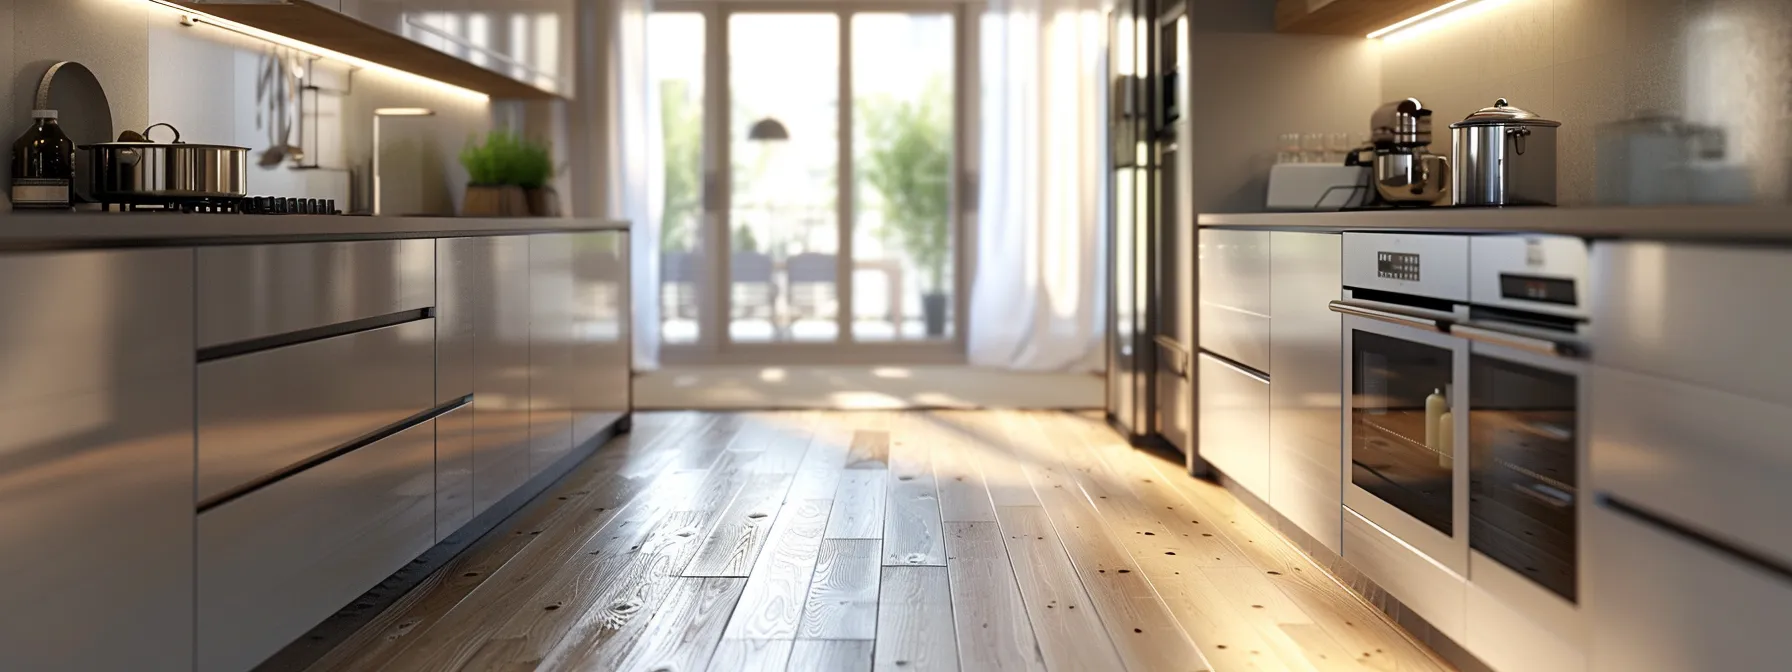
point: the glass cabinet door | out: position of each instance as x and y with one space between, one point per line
1401 426
1523 479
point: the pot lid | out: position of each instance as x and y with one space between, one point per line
1503 113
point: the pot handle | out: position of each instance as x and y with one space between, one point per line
1518 136
177 132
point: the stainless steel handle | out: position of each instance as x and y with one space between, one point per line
1237 368
1416 321
1172 353
1526 342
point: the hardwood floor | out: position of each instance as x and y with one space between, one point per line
943 540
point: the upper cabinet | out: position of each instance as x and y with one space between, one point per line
503 48
1347 17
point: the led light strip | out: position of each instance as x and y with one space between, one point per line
256 33
1427 19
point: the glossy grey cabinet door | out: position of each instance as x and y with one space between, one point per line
601 360
252 291
268 411
1306 418
501 368
457 291
96 461
551 372
278 561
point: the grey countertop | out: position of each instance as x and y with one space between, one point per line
1707 223
52 231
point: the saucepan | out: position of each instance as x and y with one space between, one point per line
136 169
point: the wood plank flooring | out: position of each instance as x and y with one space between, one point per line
929 540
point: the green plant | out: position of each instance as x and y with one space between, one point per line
506 159
745 240
910 165
681 128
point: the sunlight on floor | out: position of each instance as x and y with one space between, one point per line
858 388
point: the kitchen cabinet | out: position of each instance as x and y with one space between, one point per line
266 412
1662 603
248 292
551 372
457 291
1234 300
1305 395
601 361
1234 422
501 438
98 477
1348 17
276 562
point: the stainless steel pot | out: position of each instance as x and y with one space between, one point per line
135 170
1504 156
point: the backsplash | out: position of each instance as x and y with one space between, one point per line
1725 63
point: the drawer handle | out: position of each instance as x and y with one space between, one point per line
1378 313
1688 534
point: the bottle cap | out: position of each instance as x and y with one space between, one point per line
43 114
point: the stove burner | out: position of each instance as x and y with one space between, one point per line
257 205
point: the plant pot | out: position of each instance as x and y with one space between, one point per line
933 313
544 202
485 200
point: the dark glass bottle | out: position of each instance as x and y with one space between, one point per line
43 165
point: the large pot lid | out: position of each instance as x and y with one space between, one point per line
1504 114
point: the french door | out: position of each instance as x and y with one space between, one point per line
812 160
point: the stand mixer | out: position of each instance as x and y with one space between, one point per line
1406 172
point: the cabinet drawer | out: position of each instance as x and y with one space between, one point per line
1234 423
1660 603
1433 592
1235 295
279 560
1714 461
263 412
255 291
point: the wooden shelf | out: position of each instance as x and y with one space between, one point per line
342 33
1347 17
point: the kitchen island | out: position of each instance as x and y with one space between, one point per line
222 429
1619 392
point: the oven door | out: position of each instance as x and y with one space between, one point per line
1403 460
1526 438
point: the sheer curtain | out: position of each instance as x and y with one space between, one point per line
1037 297
615 119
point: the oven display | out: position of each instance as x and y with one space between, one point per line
1397 266
1532 288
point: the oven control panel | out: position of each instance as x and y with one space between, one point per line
1428 265
1397 266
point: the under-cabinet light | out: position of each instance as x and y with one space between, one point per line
198 17
1444 14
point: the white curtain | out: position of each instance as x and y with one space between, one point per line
616 119
1037 298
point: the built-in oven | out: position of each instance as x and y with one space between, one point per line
1465 425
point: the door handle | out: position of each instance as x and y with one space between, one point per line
1528 343
1382 314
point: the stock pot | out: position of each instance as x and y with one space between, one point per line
1504 156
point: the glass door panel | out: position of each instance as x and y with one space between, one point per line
1523 477
784 148
903 230
1401 426
675 68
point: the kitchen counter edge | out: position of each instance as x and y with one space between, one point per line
58 231
1698 223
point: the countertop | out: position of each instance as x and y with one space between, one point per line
1703 223
55 231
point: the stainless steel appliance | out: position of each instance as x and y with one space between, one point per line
1465 430
1406 172
1132 364
135 170
1173 225
1504 156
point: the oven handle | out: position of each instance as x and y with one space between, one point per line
1490 334
1391 315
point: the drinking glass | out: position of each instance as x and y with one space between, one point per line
1337 146
1288 148
1312 148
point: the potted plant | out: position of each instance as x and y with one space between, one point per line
910 165
508 177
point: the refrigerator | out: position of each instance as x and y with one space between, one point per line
1132 364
